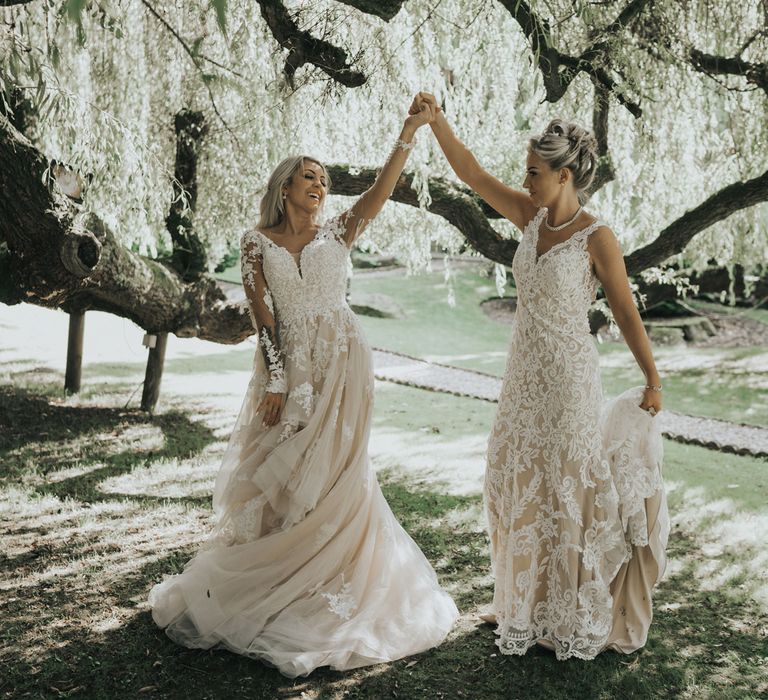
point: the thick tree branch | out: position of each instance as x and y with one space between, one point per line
754 73
457 205
190 257
674 238
559 69
605 171
384 9
464 210
304 48
54 256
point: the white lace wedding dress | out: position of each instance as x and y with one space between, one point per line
574 496
306 566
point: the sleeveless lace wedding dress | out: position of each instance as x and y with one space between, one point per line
306 565
574 496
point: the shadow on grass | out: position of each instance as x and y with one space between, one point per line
73 619
43 436
701 645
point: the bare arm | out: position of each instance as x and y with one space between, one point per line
371 202
510 203
262 313
612 273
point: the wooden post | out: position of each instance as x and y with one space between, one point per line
154 373
73 373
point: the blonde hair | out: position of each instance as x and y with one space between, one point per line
566 145
271 207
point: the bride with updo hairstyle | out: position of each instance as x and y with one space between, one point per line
577 515
566 145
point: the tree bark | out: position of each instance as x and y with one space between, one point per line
304 48
384 9
53 255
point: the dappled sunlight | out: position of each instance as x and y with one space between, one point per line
732 552
191 478
67 557
457 465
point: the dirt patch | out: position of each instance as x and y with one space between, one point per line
500 310
734 331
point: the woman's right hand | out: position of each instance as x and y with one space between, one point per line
272 405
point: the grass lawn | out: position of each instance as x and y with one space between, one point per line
731 384
98 502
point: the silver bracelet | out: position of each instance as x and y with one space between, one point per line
404 145
654 387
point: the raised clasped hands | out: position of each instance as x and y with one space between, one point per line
424 101
423 110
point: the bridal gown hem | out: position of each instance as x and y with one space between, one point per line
573 491
306 565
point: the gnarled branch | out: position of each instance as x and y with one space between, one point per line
674 238
53 255
559 69
459 206
304 48
754 73
384 9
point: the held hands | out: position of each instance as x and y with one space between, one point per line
422 100
422 111
272 405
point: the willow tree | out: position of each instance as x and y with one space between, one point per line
135 138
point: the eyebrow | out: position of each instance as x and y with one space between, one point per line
314 172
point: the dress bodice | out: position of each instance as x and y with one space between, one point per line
556 289
308 283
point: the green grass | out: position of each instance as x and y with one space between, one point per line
731 384
98 502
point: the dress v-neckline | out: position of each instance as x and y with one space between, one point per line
537 258
293 256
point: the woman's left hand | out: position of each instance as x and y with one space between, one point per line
651 401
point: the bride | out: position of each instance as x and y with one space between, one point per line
306 565
573 491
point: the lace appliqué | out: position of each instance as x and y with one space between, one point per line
342 603
274 360
302 395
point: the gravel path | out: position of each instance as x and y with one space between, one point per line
709 432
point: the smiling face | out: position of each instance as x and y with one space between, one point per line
307 188
544 185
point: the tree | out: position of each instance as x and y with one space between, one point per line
173 117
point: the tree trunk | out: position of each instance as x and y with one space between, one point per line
154 374
74 371
190 257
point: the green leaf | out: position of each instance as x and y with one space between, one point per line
196 46
220 6
74 8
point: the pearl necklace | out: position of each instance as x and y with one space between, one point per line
562 226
